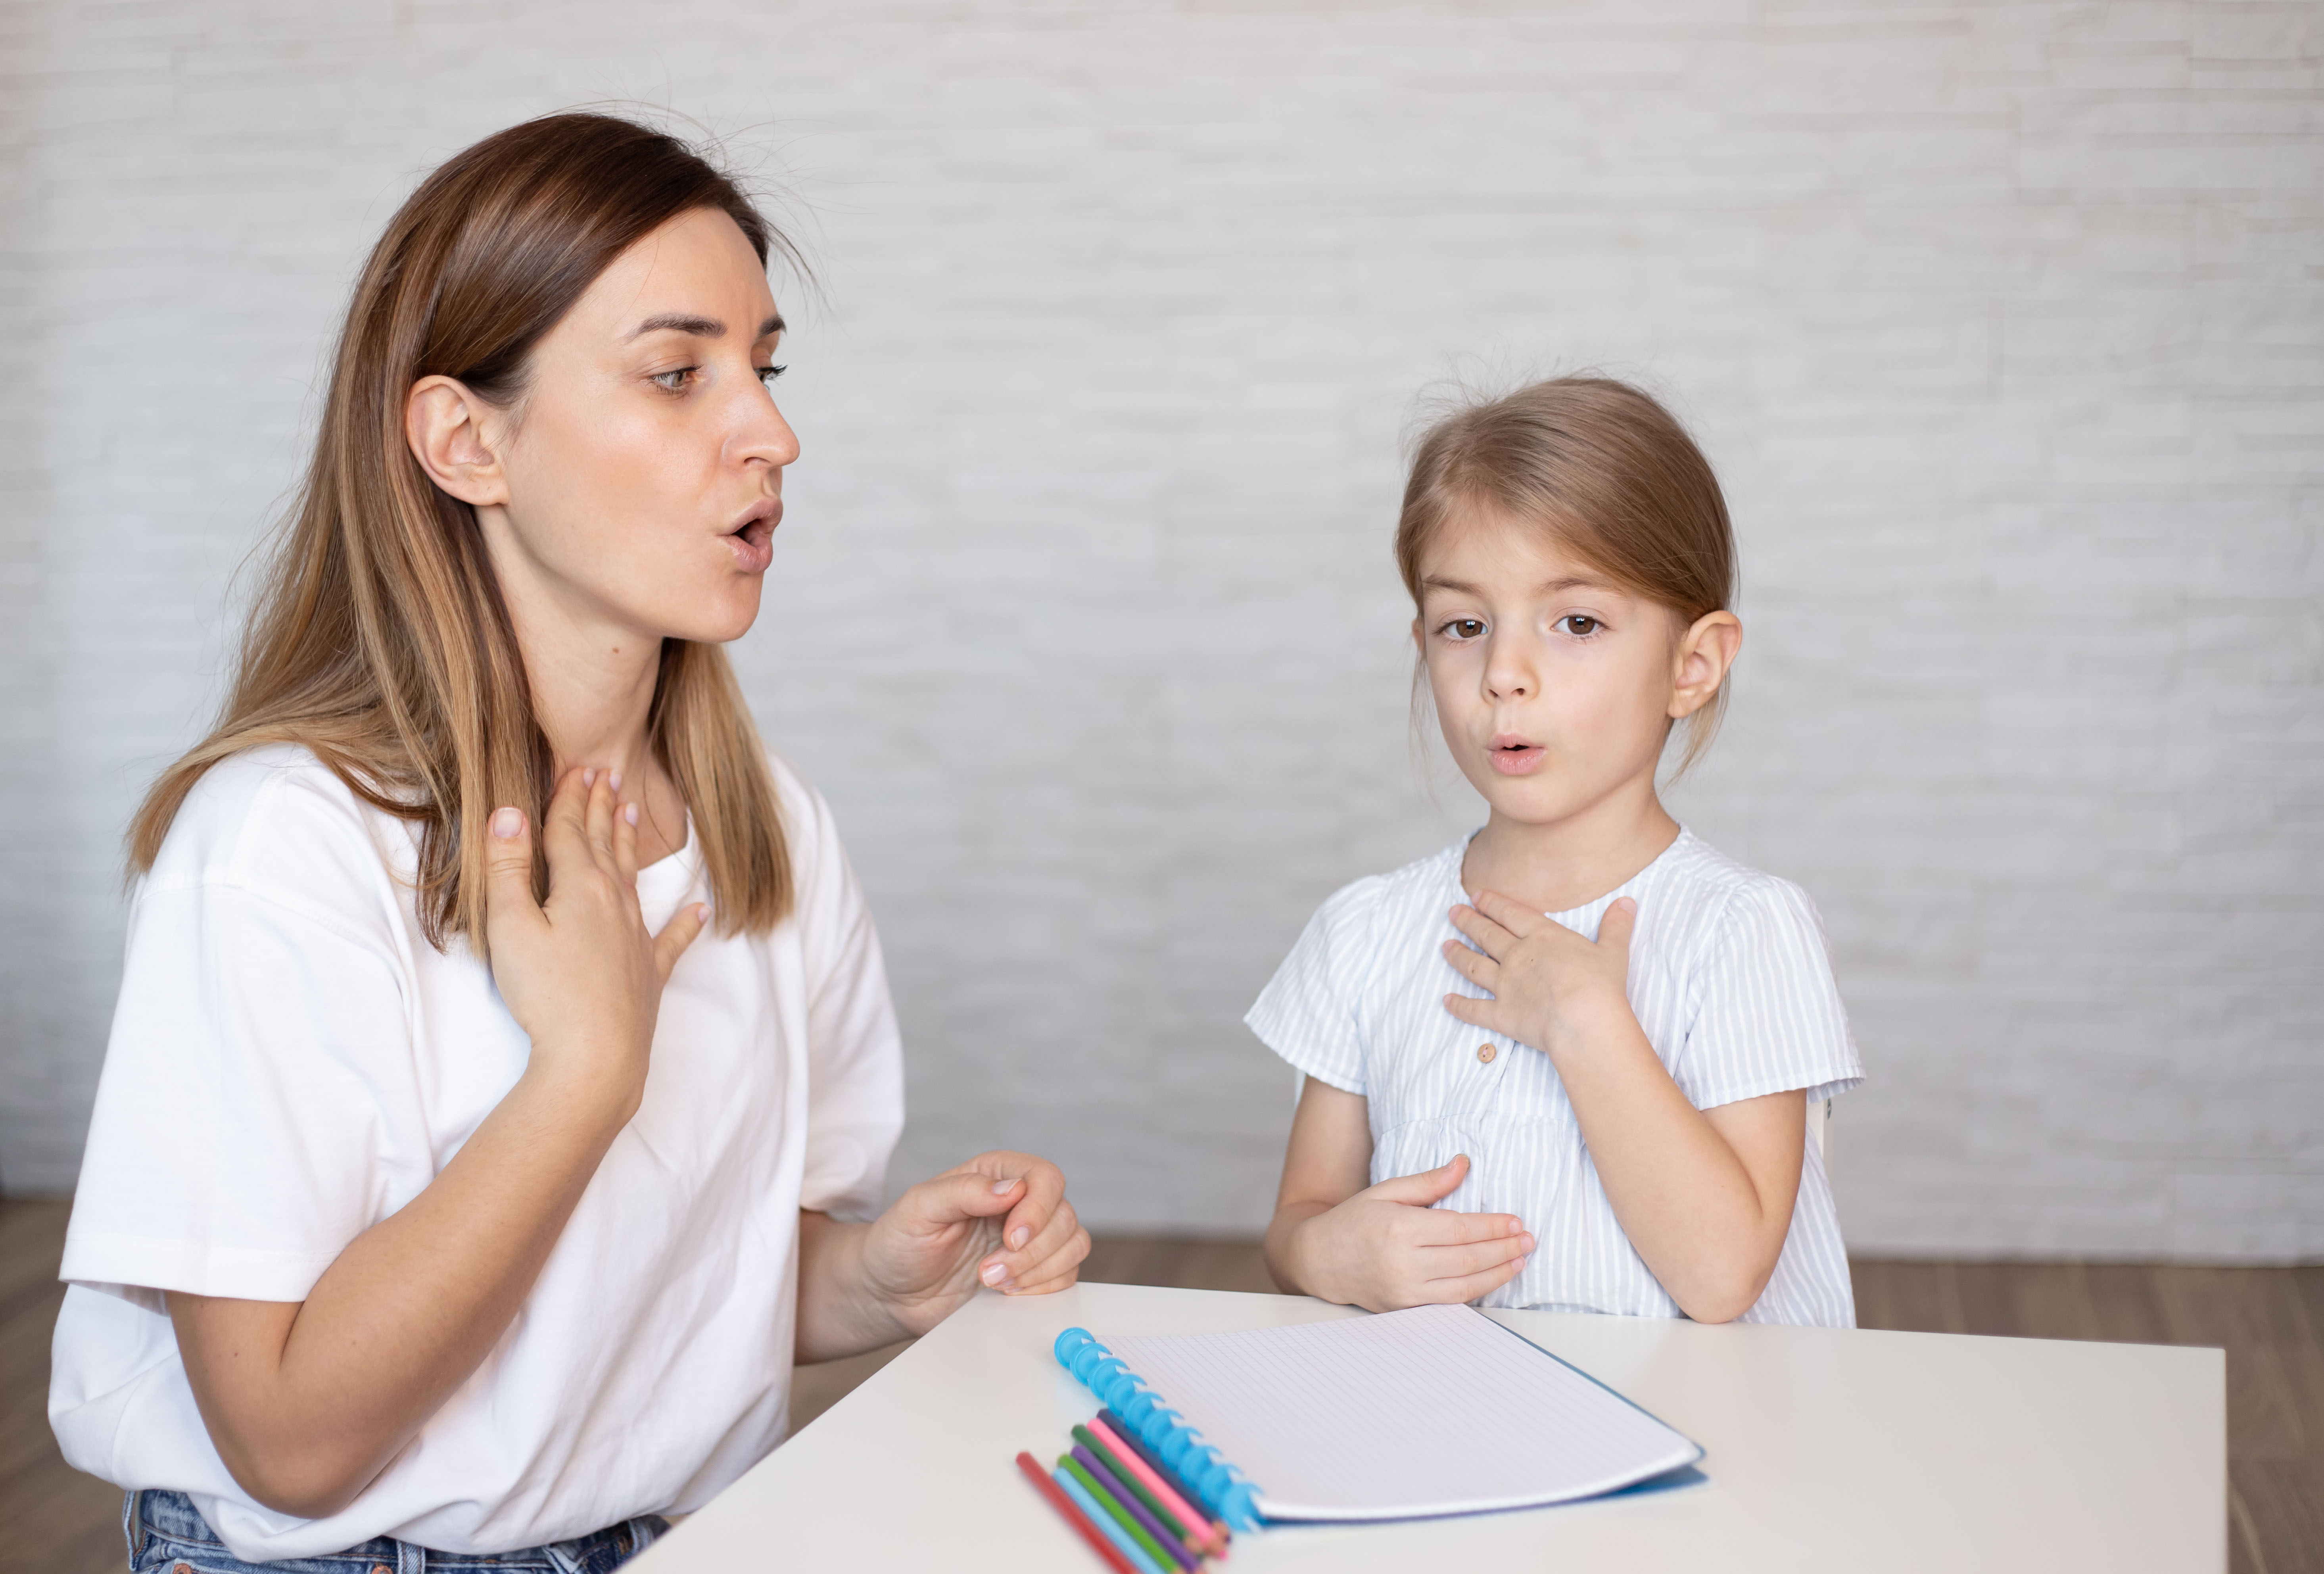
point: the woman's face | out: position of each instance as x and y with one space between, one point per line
643 470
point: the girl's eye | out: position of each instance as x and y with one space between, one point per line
674 380
1465 628
768 374
1578 625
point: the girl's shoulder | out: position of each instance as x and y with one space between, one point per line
1420 890
1710 904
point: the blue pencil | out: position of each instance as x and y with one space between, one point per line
1105 1522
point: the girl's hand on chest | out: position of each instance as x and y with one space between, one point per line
1548 987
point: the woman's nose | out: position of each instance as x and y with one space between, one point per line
762 434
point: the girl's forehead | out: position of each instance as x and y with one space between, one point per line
1490 551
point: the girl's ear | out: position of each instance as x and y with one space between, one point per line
1705 651
444 422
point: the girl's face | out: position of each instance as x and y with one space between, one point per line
1555 689
640 479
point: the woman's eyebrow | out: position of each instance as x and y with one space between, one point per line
702 327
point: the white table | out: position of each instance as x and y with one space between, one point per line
1853 1450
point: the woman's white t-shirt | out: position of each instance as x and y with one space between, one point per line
291 1063
1731 984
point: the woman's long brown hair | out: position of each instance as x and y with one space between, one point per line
379 639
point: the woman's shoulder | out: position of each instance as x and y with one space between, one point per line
277 822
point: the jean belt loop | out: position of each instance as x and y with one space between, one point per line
410 1558
132 1521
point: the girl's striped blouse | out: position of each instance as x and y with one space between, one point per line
1730 981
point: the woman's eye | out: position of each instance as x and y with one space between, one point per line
1579 626
1466 628
768 374
674 382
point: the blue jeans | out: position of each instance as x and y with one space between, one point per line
168 1535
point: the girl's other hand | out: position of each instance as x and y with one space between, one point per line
1388 1247
580 973
1548 986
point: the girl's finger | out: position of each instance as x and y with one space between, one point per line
625 843
1476 1012
1468 964
677 934
1440 1226
1491 939
1451 1291
1477 1257
1512 915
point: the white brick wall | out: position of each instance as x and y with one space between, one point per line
2004 324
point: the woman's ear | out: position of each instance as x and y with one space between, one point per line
1700 663
444 422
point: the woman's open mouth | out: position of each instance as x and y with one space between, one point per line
753 535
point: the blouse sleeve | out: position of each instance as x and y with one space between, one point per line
1769 1017
855 1059
260 1040
1311 1011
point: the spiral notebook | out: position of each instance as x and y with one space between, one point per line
1436 1409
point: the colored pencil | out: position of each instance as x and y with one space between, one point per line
1128 1434
1121 1516
1106 1477
1109 1455
1201 1532
1124 1547
1074 1515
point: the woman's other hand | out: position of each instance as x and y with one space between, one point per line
1000 1220
580 973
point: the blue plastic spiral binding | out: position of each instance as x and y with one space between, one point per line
1224 1489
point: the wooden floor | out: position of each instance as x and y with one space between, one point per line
2270 1321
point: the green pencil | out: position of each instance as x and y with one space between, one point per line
1096 1445
1121 1516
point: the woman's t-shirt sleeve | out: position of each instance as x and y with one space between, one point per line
1310 1012
256 1110
1769 1017
855 1059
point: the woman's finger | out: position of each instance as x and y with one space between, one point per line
564 831
1031 1260
625 844
1045 1194
677 934
1057 1271
604 799
509 909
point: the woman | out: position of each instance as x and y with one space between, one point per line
503 1039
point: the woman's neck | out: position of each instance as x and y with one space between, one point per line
592 690
1558 865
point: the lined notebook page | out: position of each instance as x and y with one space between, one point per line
1434 1409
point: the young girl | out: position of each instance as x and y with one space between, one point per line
1495 1104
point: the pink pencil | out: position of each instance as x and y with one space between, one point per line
1214 1540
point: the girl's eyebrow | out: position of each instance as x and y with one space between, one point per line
1548 588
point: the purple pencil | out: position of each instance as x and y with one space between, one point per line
1105 1477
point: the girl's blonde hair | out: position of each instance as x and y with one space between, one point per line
379 639
1606 470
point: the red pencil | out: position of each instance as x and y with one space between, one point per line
1074 1516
